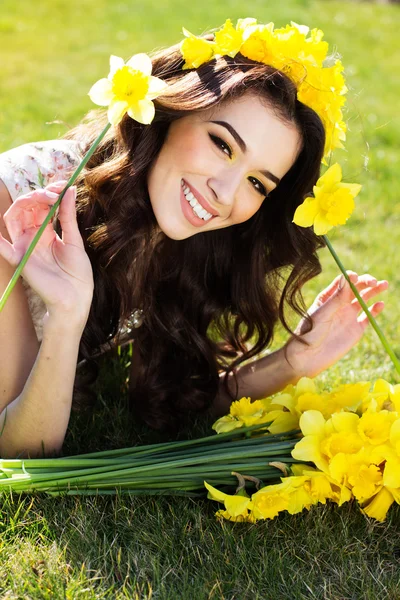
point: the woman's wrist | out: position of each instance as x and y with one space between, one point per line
298 357
64 322
264 376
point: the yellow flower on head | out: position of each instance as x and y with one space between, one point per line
196 51
259 45
129 88
292 43
228 40
332 204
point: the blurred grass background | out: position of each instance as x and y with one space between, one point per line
51 53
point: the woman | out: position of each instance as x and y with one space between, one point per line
189 220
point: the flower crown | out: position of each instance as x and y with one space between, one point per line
288 49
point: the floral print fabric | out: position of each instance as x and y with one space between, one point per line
33 166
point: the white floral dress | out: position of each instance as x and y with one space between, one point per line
33 166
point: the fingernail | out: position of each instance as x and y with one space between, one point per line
51 195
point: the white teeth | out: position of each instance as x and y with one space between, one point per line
196 206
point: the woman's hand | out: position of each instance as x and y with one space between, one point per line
337 324
59 269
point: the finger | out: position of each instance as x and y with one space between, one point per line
8 252
369 293
331 290
375 310
57 185
68 221
365 281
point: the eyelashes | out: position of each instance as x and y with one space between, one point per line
258 186
227 150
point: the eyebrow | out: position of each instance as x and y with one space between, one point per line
242 145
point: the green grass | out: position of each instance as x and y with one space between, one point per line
52 52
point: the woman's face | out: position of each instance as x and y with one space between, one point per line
216 167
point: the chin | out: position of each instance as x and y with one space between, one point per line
173 228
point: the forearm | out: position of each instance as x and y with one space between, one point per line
36 421
256 379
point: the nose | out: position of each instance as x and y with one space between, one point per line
225 186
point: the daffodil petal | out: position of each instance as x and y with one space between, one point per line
101 92
331 176
116 111
236 505
312 422
379 505
306 213
156 87
307 450
321 225
354 188
143 111
115 63
214 494
141 62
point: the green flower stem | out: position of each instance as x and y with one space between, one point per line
52 211
365 308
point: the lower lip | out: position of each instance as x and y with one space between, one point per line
189 214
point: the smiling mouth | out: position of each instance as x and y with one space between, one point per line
197 208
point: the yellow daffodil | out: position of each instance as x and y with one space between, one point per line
270 501
341 435
259 45
129 88
308 449
228 40
281 421
292 43
383 396
356 472
236 506
391 474
324 439
332 204
394 436
196 51
374 427
242 518
243 413
378 507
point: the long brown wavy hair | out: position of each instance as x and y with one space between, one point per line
210 301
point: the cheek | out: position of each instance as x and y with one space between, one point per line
245 209
188 151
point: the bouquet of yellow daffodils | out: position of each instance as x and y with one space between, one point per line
350 443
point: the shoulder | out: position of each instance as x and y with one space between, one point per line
37 164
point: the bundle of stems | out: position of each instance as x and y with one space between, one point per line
172 468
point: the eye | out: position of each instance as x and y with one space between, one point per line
226 149
258 186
